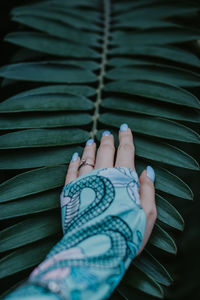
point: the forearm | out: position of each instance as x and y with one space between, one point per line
103 231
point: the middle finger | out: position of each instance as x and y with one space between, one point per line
126 150
106 151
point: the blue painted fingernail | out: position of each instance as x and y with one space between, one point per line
106 133
124 127
89 142
150 173
75 156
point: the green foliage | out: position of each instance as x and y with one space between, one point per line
85 66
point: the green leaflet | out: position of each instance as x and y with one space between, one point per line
161 239
36 157
165 52
137 278
48 44
155 90
45 120
59 8
168 214
57 89
47 72
143 24
153 37
150 265
126 5
28 231
168 52
82 64
152 126
57 29
157 73
123 61
46 20
37 203
42 138
164 153
32 182
25 257
83 3
145 9
142 106
46 102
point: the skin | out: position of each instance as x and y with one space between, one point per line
104 158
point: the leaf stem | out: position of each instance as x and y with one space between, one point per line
102 66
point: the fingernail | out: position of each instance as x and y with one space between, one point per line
106 133
124 127
150 173
89 142
75 156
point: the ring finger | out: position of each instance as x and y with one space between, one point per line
88 156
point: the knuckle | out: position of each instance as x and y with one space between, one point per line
126 137
126 133
109 139
107 147
126 147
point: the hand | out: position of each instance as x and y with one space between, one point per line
125 158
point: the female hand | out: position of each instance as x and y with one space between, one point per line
104 158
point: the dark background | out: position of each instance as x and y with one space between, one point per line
185 266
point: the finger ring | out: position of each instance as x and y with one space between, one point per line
85 163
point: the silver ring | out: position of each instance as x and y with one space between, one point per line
85 163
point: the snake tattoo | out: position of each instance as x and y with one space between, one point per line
114 227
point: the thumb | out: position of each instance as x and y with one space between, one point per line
147 201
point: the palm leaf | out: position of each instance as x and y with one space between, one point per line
85 66
28 231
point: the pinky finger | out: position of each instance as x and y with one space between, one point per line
147 197
72 172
